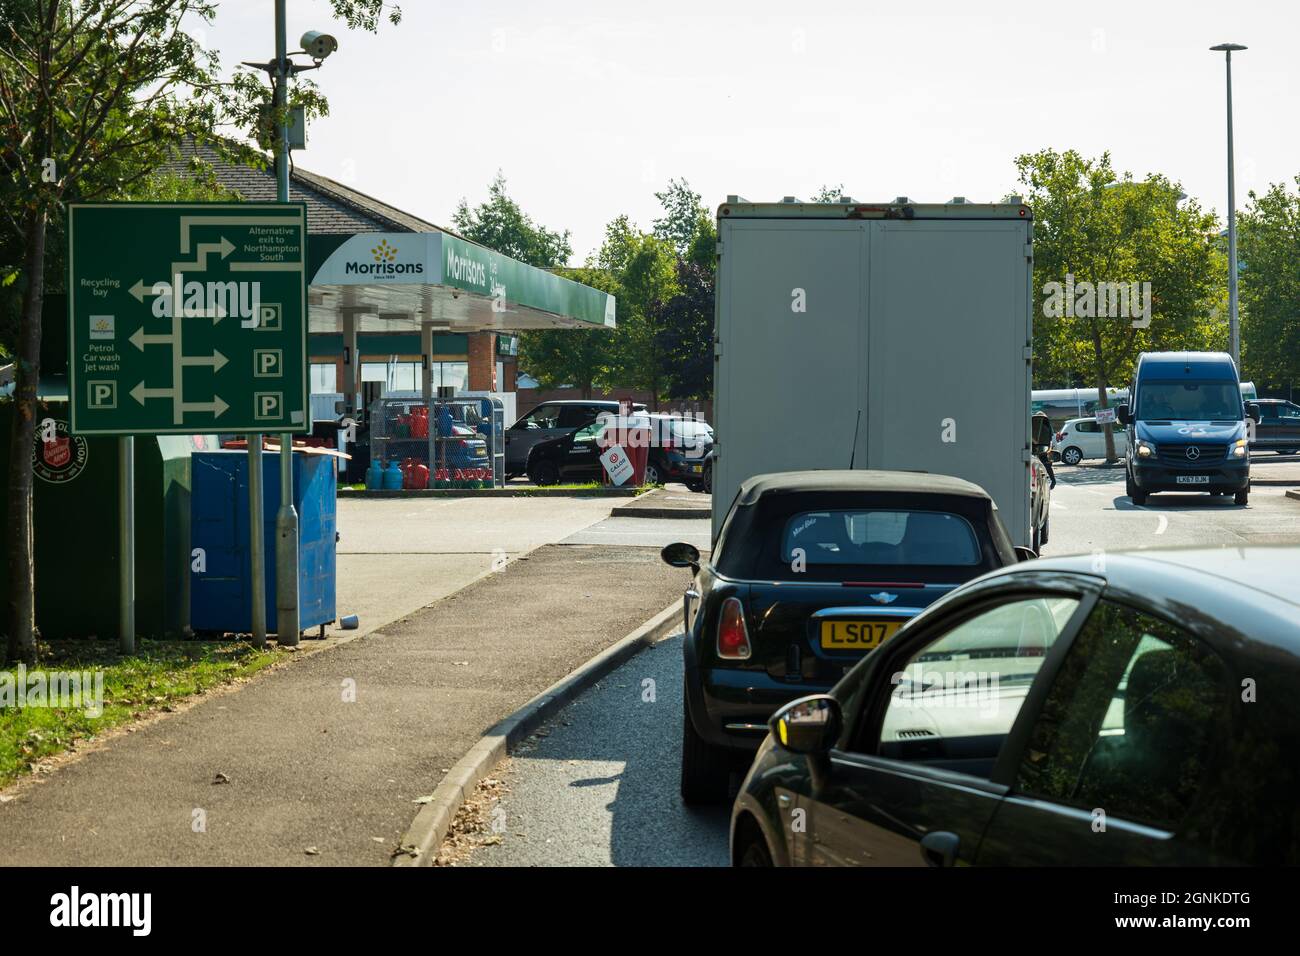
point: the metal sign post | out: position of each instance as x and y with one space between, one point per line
126 544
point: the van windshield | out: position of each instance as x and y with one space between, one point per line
1189 401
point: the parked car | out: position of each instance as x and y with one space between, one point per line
572 457
1278 428
459 442
1081 438
1153 695
551 420
810 571
676 452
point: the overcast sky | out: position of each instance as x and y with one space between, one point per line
590 107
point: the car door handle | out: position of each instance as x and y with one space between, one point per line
940 848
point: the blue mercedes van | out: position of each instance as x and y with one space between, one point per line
1186 423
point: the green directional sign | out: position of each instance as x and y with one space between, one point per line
187 318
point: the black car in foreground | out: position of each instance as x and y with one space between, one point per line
1120 709
810 571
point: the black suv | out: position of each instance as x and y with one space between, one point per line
552 420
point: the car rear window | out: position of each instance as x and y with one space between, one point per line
880 537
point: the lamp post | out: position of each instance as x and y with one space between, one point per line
1234 334
317 46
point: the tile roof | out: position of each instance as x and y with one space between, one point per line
332 208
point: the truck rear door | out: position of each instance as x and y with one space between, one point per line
948 384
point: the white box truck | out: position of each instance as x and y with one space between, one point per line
894 336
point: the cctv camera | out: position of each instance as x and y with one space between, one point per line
319 45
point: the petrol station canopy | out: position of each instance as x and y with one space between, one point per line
402 281
390 271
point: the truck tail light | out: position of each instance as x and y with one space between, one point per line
733 638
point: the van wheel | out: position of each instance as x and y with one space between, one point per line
1240 497
706 769
1135 495
1072 455
1042 535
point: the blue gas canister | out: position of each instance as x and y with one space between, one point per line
375 475
392 476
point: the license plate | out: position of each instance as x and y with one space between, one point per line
856 635
697 469
1192 480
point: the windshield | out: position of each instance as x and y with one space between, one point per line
1189 401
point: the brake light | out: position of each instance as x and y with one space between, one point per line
733 638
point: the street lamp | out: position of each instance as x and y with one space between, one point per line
317 46
1234 337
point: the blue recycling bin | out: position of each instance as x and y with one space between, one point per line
221 591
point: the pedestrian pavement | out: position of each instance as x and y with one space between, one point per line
673 501
322 761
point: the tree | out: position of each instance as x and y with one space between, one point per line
828 193
1268 249
684 337
1105 244
94 97
648 279
683 214
500 224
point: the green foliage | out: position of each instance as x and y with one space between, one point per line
500 224
829 193
684 336
1100 227
1268 250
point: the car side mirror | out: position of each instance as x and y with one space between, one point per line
680 554
1025 554
1121 413
1253 411
809 725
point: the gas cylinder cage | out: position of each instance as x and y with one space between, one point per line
456 439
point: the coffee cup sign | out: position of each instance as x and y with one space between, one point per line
617 465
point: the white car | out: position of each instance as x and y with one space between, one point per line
1081 438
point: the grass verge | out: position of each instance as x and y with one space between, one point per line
161 674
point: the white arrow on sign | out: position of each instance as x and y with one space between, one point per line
139 339
216 406
200 263
140 393
141 289
216 360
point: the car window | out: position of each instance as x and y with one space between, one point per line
880 537
543 416
589 433
1088 427
957 697
1130 722
576 416
1289 411
1268 411
1189 401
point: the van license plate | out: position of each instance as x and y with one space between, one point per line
1192 480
